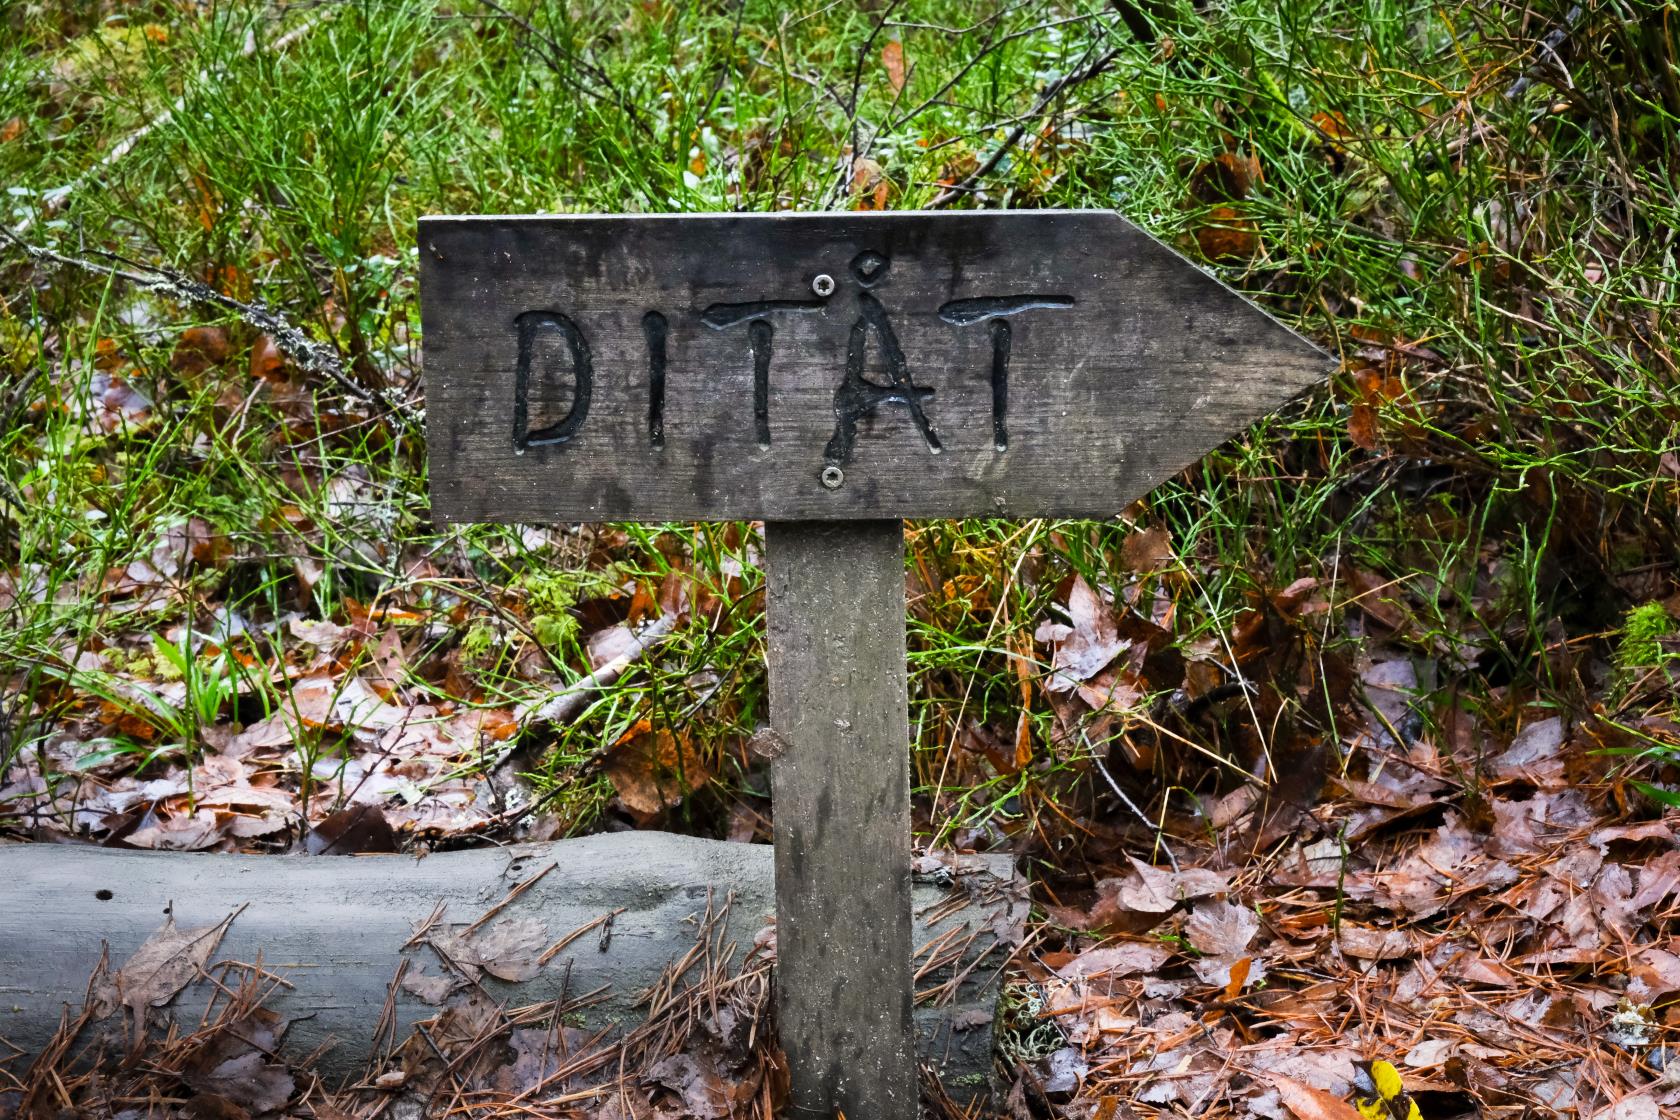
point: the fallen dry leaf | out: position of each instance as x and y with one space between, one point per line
266 360
1085 648
507 949
695 1079
1221 929
1635 1106
1125 959
426 987
653 770
1227 235
359 828
168 961
870 185
249 1081
1369 944
1308 1103
1156 890
198 349
1147 550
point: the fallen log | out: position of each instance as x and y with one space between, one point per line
534 922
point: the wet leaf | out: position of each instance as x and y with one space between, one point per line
653 770
250 1081
198 349
1147 550
359 828
1125 959
696 1082
426 987
1308 1103
167 962
870 185
1370 944
892 59
508 948
1156 890
267 363
1362 426
1221 929
1227 236
1085 648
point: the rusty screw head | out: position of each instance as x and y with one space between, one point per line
833 477
823 285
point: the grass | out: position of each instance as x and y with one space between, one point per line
1488 485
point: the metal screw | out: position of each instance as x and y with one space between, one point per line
823 285
833 477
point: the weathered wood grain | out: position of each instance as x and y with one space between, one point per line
334 928
1015 363
841 789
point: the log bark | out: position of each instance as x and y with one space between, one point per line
335 929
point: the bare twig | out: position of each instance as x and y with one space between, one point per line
549 953
311 356
1547 50
564 61
864 52
566 703
507 899
1054 90
1102 768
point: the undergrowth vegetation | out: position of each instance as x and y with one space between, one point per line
1391 675
1474 206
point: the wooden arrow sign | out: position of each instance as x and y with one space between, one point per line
831 374
828 366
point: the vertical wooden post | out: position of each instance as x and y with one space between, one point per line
841 791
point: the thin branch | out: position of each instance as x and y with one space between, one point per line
566 703
311 356
992 44
1056 88
1546 51
562 60
864 52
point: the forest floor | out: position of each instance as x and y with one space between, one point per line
1356 741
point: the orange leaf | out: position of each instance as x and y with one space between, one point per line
642 605
1239 977
106 355
266 361
870 185
653 770
199 349
892 57
1023 660
11 130
1308 1103
1362 427
1333 125
1227 236
1238 174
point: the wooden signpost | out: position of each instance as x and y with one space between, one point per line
831 374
